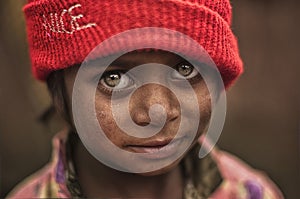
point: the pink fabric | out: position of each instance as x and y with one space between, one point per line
239 180
242 181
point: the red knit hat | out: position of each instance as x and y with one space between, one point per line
61 33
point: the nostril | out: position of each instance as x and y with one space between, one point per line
173 114
142 123
173 119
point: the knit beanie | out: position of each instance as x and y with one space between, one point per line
61 33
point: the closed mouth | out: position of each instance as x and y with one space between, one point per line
156 148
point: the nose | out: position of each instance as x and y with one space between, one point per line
151 95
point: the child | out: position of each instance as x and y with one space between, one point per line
62 37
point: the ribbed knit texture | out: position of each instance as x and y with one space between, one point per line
58 43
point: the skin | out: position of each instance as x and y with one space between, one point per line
167 182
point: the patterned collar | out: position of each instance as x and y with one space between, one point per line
200 173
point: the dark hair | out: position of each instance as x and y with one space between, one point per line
57 90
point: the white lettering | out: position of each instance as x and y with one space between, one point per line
55 21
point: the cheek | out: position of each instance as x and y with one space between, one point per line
205 108
204 101
107 122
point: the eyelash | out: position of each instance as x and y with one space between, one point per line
194 79
109 91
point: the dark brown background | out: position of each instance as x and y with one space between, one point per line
263 118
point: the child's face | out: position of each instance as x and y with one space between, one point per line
143 98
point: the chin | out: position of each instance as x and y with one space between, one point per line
172 166
164 170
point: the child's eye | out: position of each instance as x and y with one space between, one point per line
111 79
115 80
184 71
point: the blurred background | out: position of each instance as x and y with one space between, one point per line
263 118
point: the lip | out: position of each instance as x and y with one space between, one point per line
157 149
154 143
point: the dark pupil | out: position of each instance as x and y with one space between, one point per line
185 70
112 79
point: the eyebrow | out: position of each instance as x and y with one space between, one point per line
124 63
128 62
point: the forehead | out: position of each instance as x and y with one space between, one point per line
135 58
128 61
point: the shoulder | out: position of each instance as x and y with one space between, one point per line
32 186
241 179
48 182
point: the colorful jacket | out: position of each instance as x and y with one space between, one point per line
239 181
